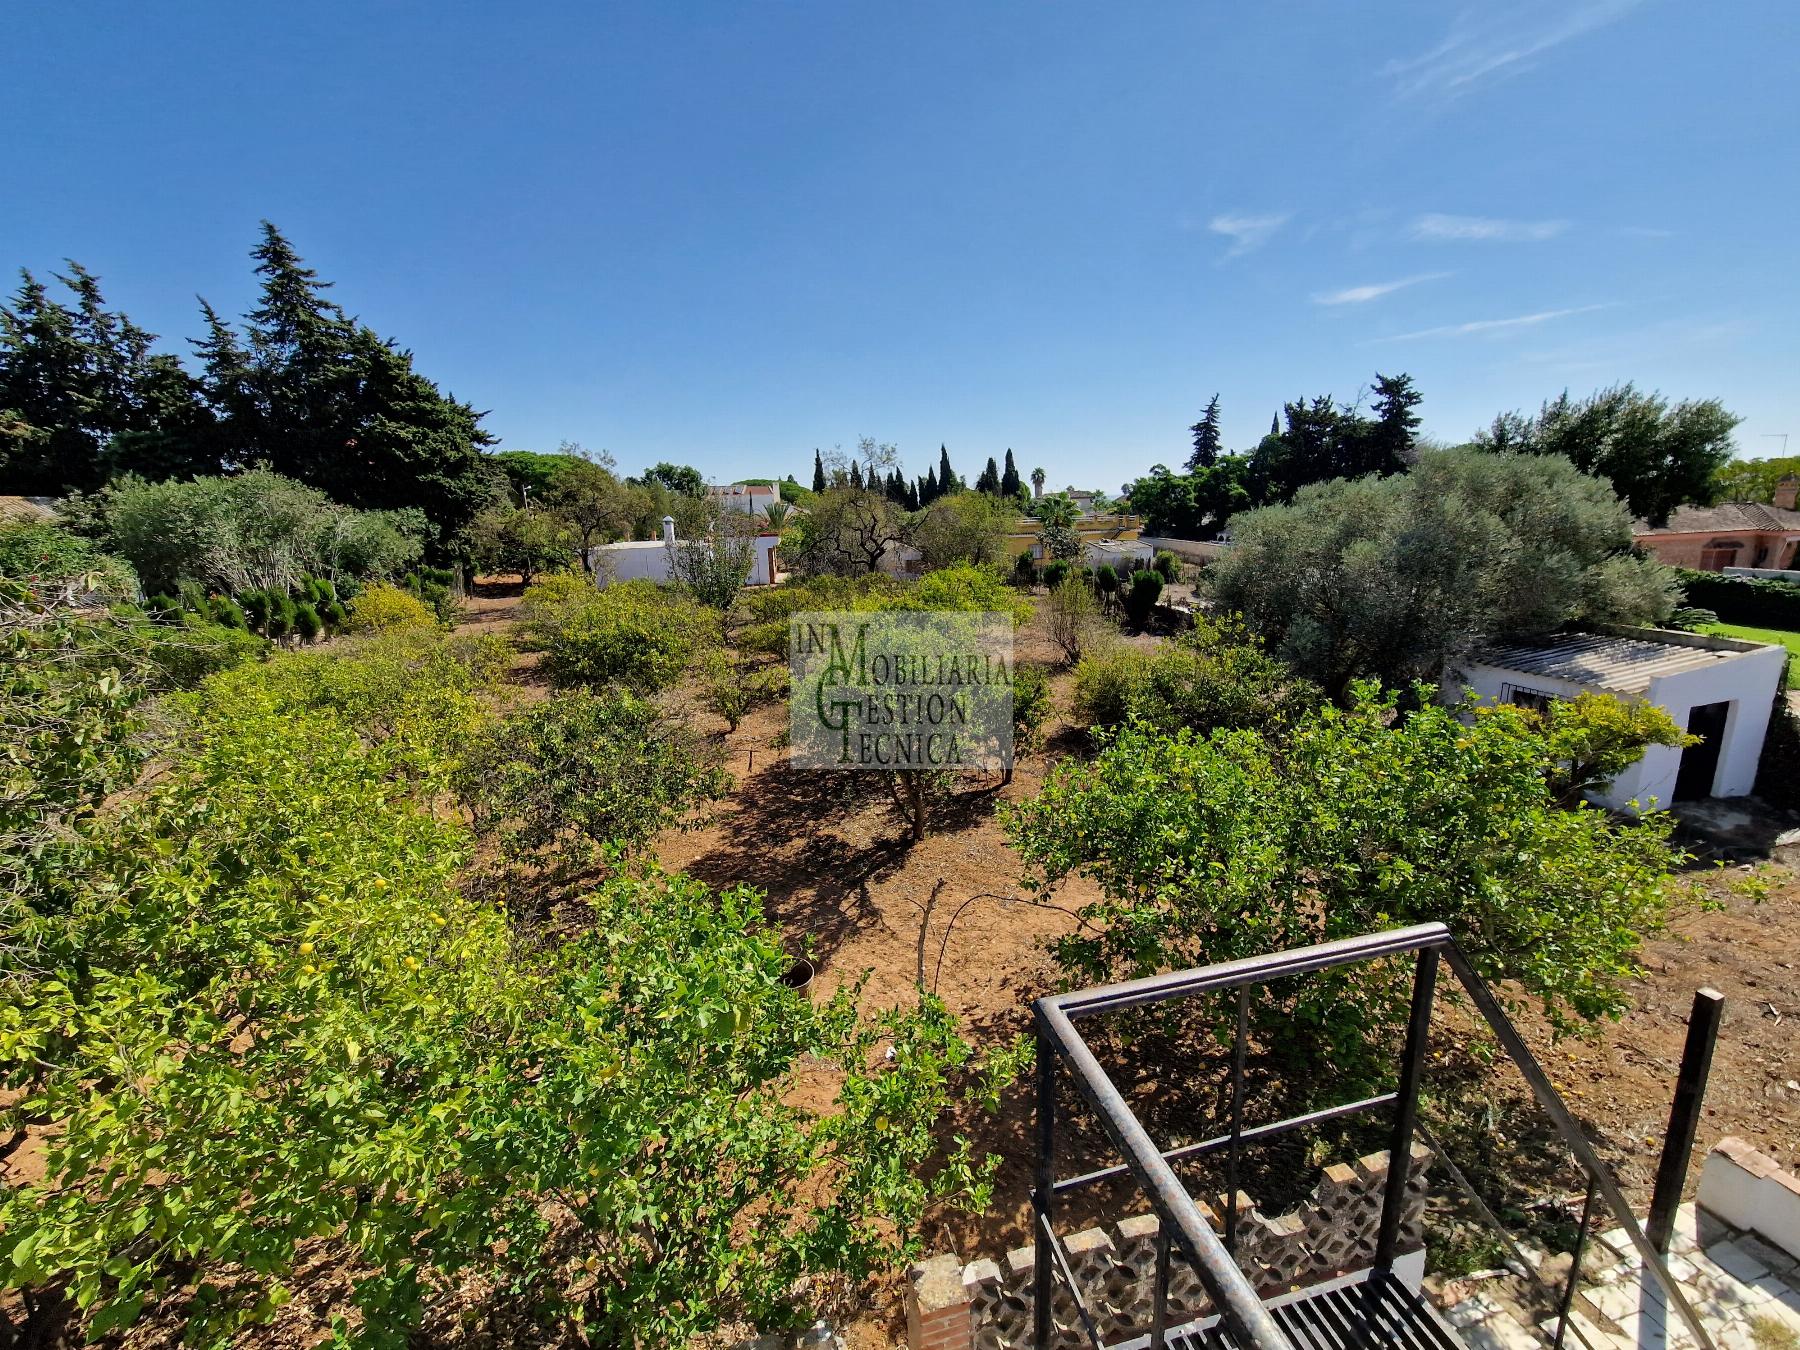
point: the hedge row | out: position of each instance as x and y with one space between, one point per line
1752 601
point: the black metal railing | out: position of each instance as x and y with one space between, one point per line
1244 1317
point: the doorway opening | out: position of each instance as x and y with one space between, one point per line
1700 763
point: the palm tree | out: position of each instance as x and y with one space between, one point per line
1037 482
776 513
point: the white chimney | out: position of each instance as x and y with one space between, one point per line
668 529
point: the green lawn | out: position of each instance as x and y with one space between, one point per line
1786 637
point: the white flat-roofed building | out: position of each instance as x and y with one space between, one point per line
750 498
1719 689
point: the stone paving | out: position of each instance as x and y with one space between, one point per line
1746 1291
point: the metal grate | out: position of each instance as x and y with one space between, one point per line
1361 1314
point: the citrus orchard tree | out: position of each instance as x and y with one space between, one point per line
1209 847
259 1019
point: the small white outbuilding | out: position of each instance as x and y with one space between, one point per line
1719 689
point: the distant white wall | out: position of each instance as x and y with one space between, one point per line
651 560
1189 550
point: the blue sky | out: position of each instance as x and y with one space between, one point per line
727 234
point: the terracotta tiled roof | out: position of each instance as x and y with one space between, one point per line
1723 519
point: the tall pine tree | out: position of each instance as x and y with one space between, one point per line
1207 444
947 479
330 402
819 484
988 480
1393 437
49 443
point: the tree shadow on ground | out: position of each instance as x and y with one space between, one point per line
777 837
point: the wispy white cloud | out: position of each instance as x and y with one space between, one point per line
1437 228
1361 295
1486 45
1492 325
1248 232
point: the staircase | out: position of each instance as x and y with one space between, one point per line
1379 1302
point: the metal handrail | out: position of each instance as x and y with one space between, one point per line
1242 1312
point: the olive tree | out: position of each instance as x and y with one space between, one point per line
1394 577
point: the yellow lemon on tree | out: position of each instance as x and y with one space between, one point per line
306 949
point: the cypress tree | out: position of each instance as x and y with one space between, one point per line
932 489
819 483
1010 486
989 479
856 478
912 497
946 476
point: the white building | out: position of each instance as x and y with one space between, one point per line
750 498
1719 689
1122 555
653 559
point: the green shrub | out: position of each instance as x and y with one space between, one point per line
225 612
1166 565
193 598
163 607
1031 705
964 588
1073 618
377 1068
281 615
1209 848
1106 583
631 633
1141 598
1025 570
256 610
1107 681
725 688
40 554
307 622
381 608
1756 602
603 767
1055 572
770 607
335 617
185 655
1219 675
